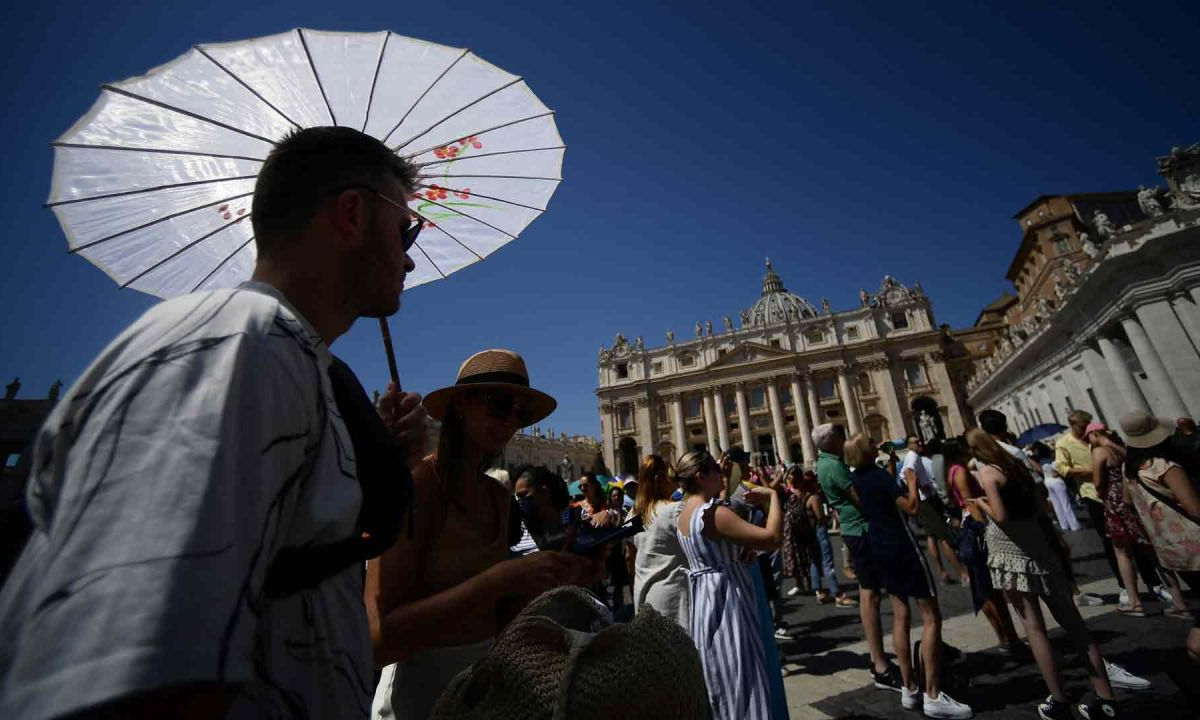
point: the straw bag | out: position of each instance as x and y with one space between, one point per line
563 657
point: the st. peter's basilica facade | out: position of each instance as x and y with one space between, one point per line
879 368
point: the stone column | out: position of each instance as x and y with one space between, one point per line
710 425
681 444
722 418
743 411
884 380
945 388
806 443
810 394
1130 394
1189 316
1173 347
1103 387
782 451
645 426
849 402
607 435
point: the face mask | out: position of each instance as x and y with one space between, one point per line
528 506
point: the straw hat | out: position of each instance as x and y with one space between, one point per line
1143 430
492 370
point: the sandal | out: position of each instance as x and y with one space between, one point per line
845 602
1132 610
1179 613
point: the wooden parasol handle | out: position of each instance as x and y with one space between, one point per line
391 354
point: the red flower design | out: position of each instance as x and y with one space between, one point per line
223 208
465 194
226 215
439 153
473 140
436 192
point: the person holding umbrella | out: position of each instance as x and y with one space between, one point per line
198 450
442 593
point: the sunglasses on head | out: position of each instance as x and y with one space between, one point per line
415 222
502 405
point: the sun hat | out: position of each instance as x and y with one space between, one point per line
492 370
1143 430
1093 427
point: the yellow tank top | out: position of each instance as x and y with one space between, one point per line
460 552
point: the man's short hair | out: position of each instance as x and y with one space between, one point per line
307 167
1079 417
823 435
993 422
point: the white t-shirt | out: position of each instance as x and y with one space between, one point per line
1034 471
199 443
916 463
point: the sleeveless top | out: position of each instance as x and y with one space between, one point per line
972 484
1018 495
459 552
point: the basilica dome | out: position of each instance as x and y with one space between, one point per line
777 305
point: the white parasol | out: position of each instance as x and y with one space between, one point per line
154 184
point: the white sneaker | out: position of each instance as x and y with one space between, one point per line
1164 594
782 633
945 706
910 699
794 592
1090 599
1122 678
1123 598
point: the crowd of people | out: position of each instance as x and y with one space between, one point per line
226 526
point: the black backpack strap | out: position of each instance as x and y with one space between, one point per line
386 486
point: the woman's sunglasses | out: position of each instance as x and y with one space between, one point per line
502 405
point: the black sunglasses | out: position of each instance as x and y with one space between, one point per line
502 405
409 233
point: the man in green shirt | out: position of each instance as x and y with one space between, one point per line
834 476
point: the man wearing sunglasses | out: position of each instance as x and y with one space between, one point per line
202 445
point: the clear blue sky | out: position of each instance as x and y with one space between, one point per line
844 143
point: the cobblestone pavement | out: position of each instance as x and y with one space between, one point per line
826 662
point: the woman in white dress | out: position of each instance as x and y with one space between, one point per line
659 566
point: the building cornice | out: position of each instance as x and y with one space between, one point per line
1146 267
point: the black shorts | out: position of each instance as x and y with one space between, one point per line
903 571
864 565
932 521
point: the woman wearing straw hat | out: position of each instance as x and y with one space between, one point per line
1168 502
437 597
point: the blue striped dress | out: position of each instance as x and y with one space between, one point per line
725 624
